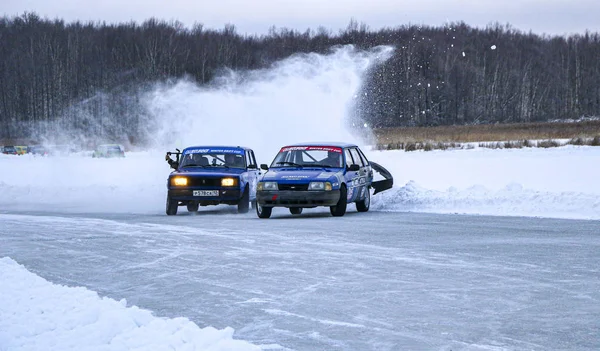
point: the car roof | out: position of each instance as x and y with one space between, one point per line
333 144
217 147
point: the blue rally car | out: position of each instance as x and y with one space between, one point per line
311 175
211 175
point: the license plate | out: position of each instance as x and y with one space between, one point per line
206 192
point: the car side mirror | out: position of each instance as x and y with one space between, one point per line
264 167
353 168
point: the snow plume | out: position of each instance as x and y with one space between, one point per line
306 97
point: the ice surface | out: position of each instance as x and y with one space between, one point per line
367 281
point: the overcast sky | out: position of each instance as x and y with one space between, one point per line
554 17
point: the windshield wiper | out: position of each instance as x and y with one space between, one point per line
317 165
223 165
288 163
192 165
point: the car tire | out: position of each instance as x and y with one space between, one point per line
263 212
193 206
296 210
365 204
340 208
244 204
171 206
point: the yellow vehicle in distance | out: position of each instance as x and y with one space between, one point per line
21 150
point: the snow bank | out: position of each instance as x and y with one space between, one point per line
38 315
557 182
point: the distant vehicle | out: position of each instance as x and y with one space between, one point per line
109 150
9 150
38 150
311 175
21 150
211 175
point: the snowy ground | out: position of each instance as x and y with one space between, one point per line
558 182
385 280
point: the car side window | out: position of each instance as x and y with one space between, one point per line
363 157
356 157
248 159
349 160
253 158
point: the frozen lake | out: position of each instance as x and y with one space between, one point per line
369 281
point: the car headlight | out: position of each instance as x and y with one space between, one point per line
179 181
229 182
319 186
267 186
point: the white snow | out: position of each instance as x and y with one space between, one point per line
556 182
45 316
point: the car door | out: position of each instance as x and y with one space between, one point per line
252 170
362 179
351 177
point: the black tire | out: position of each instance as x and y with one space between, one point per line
365 204
244 204
296 210
193 206
263 212
340 208
171 207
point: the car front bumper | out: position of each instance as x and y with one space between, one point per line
226 195
289 198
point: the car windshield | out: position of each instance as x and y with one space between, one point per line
208 158
113 149
309 156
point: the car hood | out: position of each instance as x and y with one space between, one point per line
300 175
209 172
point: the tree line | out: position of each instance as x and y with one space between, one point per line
55 72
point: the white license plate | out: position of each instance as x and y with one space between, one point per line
206 193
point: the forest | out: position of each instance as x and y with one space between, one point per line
448 75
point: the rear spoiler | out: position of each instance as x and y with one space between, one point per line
382 185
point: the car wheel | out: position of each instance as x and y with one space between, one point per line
244 203
296 210
363 205
263 212
171 206
193 206
340 208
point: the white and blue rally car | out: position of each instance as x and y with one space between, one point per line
319 174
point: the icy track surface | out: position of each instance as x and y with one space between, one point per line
367 281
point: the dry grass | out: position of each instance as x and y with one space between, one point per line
496 132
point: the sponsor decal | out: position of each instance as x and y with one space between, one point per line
214 151
294 176
309 148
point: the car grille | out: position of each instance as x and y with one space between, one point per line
200 181
293 187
